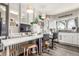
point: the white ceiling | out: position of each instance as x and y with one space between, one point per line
50 8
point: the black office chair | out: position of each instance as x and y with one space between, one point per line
46 43
55 36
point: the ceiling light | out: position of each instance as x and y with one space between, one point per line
3 8
43 16
29 11
11 11
14 12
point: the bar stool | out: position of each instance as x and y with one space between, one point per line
27 48
12 52
2 53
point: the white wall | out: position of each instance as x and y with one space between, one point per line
52 24
13 14
78 21
75 13
53 19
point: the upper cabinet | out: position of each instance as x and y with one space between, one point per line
26 14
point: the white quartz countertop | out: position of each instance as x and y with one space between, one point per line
2 37
13 41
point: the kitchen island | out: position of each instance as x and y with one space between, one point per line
8 42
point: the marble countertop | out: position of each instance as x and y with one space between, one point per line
12 41
68 32
2 37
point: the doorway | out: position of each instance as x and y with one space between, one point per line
4 16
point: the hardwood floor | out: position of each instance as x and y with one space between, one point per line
63 50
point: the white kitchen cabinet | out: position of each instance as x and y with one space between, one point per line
65 38
71 38
74 38
60 38
78 39
68 39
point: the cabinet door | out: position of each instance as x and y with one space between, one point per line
75 38
61 38
65 38
78 38
68 39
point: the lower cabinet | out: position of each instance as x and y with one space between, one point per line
78 39
75 38
70 38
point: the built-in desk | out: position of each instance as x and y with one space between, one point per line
13 41
71 38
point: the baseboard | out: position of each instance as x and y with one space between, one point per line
74 45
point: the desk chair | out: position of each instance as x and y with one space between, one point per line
46 43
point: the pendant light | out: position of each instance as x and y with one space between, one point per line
43 14
29 9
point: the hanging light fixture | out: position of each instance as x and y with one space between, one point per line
43 12
43 16
29 9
